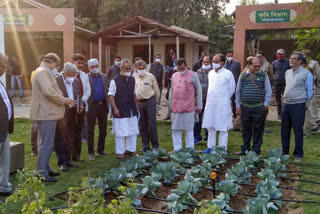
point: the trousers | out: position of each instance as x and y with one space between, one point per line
279 91
128 143
5 186
17 78
34 136
177 139
212 138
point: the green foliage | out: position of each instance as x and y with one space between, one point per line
250 159
208 209
149 184
133 194
31 191
221 150
228 187
121 207
275 165
277 153
161 152
239 173
215 159
164 171
267 189
150 155
182 157
114 177
202 171
260 206
196 182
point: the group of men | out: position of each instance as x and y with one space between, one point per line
211 98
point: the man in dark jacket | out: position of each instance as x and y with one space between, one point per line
6 126
198 65
158 71
280 66
115 69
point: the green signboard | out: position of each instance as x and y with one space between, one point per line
15 20
272 16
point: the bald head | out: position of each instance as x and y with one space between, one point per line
3 63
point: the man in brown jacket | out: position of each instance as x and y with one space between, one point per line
47 107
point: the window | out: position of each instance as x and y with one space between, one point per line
143 52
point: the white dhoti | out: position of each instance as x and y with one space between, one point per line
223 138
126 131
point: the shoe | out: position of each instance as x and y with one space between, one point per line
71 164
50 179
239 153
33 154
54 174
267 131
304 134
315 130
120 156
206 151
63 168
101 153
83 140
236 130
167 118
141 150
297 159
318 122
6 194
134 154
91 157
197 142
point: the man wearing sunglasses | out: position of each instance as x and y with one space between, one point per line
253 95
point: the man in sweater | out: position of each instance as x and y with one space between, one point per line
253 95
158 70
279 66
298 91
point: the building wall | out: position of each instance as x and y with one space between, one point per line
125 47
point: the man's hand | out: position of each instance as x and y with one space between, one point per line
116 112
238 111
266 109
198 111
70 102
80 110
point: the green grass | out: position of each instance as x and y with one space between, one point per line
101 164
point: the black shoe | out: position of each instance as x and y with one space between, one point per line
54 174
63 168
167 118
50 179
6 194
239 153
267 131
71 164
318 122
315 130
101 153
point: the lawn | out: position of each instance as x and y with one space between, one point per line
101 164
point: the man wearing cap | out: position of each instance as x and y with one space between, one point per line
122 96
48 106
279 67
6 128
85 92
98 108
298 91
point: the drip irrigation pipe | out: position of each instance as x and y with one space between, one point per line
296 179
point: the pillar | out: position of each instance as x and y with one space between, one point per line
178 47
68 46
149 49
107 57
239 46
100 53
90 49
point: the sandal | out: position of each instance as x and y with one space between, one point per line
134 154
120 156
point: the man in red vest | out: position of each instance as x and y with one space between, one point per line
186 102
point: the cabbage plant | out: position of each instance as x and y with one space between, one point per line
114 177
165 171
239 173
149 184
260 206
250 160
215 160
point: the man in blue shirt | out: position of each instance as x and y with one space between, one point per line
97 108
299 89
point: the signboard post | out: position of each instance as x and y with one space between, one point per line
3 77
273 16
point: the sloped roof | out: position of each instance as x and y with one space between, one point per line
178 31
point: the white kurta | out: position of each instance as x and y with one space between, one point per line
217 112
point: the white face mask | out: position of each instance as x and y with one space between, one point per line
215 65
158 60
206 67
229 59
142 72
70 79
117 63
127 74
94 70
54 72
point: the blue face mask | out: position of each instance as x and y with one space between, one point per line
117 63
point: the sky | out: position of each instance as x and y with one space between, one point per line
230 7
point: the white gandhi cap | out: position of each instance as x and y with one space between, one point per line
93 62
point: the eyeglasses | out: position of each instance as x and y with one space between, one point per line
293 58
127 69
256 66
94 66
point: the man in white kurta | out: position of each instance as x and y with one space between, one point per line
122 96
217 113
185 102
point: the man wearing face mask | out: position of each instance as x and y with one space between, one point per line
198 65
217 113
203 78
147 92
279 67
115 69
185 101
98 108
122 96
48 106
66 127
158 70
253 95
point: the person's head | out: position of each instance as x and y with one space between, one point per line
69 72
125 67
3 63
51 60
218 61
117 60
171 51
78 60
280 54
158 58
307 53
181 64
254 65
229 56
203 54
137 58
296 59
304 63
141 67
93 66
41 58
261 56
206 63
248 59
